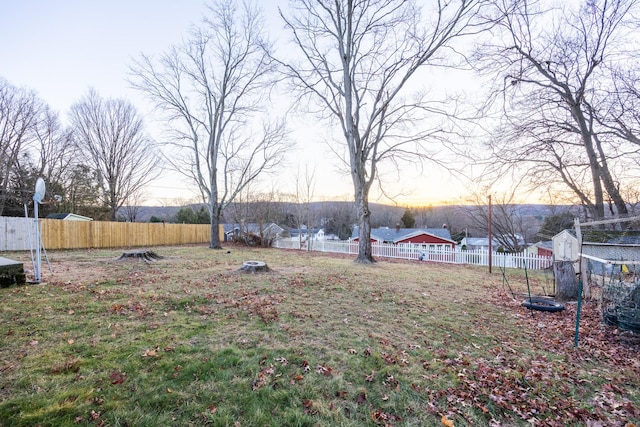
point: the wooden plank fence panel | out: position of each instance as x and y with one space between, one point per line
58 234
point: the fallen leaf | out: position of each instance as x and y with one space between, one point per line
371 377
117 377
324 370
446 421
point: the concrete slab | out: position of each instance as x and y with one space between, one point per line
7 261
11 272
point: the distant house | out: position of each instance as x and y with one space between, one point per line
479 243
251 231
69 217
541 249
413 238
304 233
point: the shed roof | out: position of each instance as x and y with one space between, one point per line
69 216
253 228
612 237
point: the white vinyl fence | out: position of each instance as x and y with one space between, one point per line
456 256
15 233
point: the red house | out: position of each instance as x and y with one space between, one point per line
541 249
412 240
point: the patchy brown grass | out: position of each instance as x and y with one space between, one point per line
318 340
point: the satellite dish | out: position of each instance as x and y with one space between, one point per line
38 196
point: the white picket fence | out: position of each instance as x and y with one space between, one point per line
456 256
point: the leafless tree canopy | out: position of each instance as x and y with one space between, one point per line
214 89
109 133
19 109
358 57
560 121
511 229
54 145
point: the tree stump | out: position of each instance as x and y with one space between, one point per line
144 255
566 281
254 267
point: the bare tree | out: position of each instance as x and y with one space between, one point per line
47 153
109 134
510 227
337 217
553 66
55 152
618 107
358 57
212 90
55 156
19 109
131 210
81 193
305 218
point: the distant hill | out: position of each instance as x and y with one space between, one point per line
144 214
381 215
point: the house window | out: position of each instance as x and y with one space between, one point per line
404 248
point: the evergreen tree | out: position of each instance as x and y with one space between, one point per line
408 220
553 224
187 215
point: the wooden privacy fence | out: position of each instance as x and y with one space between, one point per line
16 234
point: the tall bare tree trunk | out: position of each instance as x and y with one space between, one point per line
356 59
216 212
365 254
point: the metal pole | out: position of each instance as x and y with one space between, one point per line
26 216
36 268
577 333
490 237
576 223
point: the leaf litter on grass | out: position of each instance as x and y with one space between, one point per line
319 341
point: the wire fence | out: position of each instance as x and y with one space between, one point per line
408 251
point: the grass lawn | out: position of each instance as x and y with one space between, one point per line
317 341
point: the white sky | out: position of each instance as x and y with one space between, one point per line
61 48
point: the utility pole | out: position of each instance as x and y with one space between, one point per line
490 238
